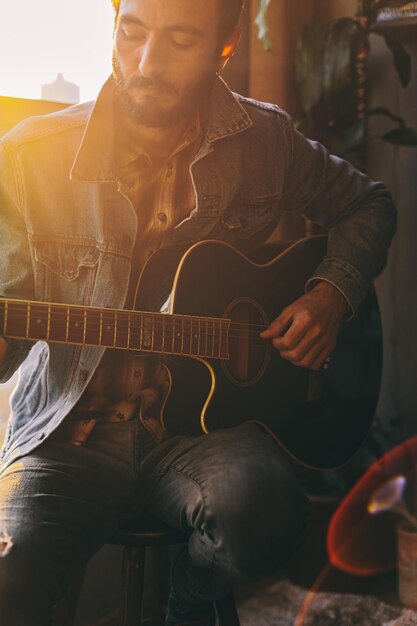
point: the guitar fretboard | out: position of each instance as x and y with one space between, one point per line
113 328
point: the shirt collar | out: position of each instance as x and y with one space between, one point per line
129 150
96 156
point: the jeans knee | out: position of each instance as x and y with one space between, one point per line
259 528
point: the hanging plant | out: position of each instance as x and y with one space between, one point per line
326 74
262 24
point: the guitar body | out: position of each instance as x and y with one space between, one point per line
319 418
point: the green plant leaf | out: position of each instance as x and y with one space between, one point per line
387 113
309 67
402 136
262 24
402 60
340 71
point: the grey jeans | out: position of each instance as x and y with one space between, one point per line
233 489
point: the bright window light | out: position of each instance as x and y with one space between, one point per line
42 38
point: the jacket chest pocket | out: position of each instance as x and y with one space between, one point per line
250 217
65 272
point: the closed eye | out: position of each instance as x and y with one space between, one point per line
132 36
182 41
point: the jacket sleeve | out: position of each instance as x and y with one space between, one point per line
16 270
358 212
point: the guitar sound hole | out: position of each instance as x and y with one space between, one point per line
248 353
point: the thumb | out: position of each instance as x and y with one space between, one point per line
278 326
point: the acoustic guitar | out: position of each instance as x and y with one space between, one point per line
201 309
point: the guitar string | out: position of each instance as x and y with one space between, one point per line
123 324
232 338
164 338
136 316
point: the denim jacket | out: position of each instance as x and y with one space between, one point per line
67 232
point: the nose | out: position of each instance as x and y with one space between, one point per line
150 63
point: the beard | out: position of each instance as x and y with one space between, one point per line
149 111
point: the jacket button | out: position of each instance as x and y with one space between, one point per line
163 218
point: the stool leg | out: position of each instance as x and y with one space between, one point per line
132 586
226 610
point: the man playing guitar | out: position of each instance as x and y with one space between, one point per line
167 156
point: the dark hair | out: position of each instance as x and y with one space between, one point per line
231 10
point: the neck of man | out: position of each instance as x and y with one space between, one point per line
158 143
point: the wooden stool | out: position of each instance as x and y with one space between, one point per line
136 536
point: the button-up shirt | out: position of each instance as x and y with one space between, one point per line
161 192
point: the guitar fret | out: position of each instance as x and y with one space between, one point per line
115 330
199 336
134 325
191 336
128 330
92 327
153 333
182 335
6 314
48 329
38 321
85 325
68 321
141 332
167 331
27 319
108 335
56 323
101 329
147 332
224 352
205 351
177 335
188 321
76 325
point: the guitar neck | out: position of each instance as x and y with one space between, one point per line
159 333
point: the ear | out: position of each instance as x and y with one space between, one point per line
229 48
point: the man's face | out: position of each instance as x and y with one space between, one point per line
165 57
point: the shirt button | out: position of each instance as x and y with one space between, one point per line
82 376
163 218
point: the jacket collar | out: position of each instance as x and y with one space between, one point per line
95 159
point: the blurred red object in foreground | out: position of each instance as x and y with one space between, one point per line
360 543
